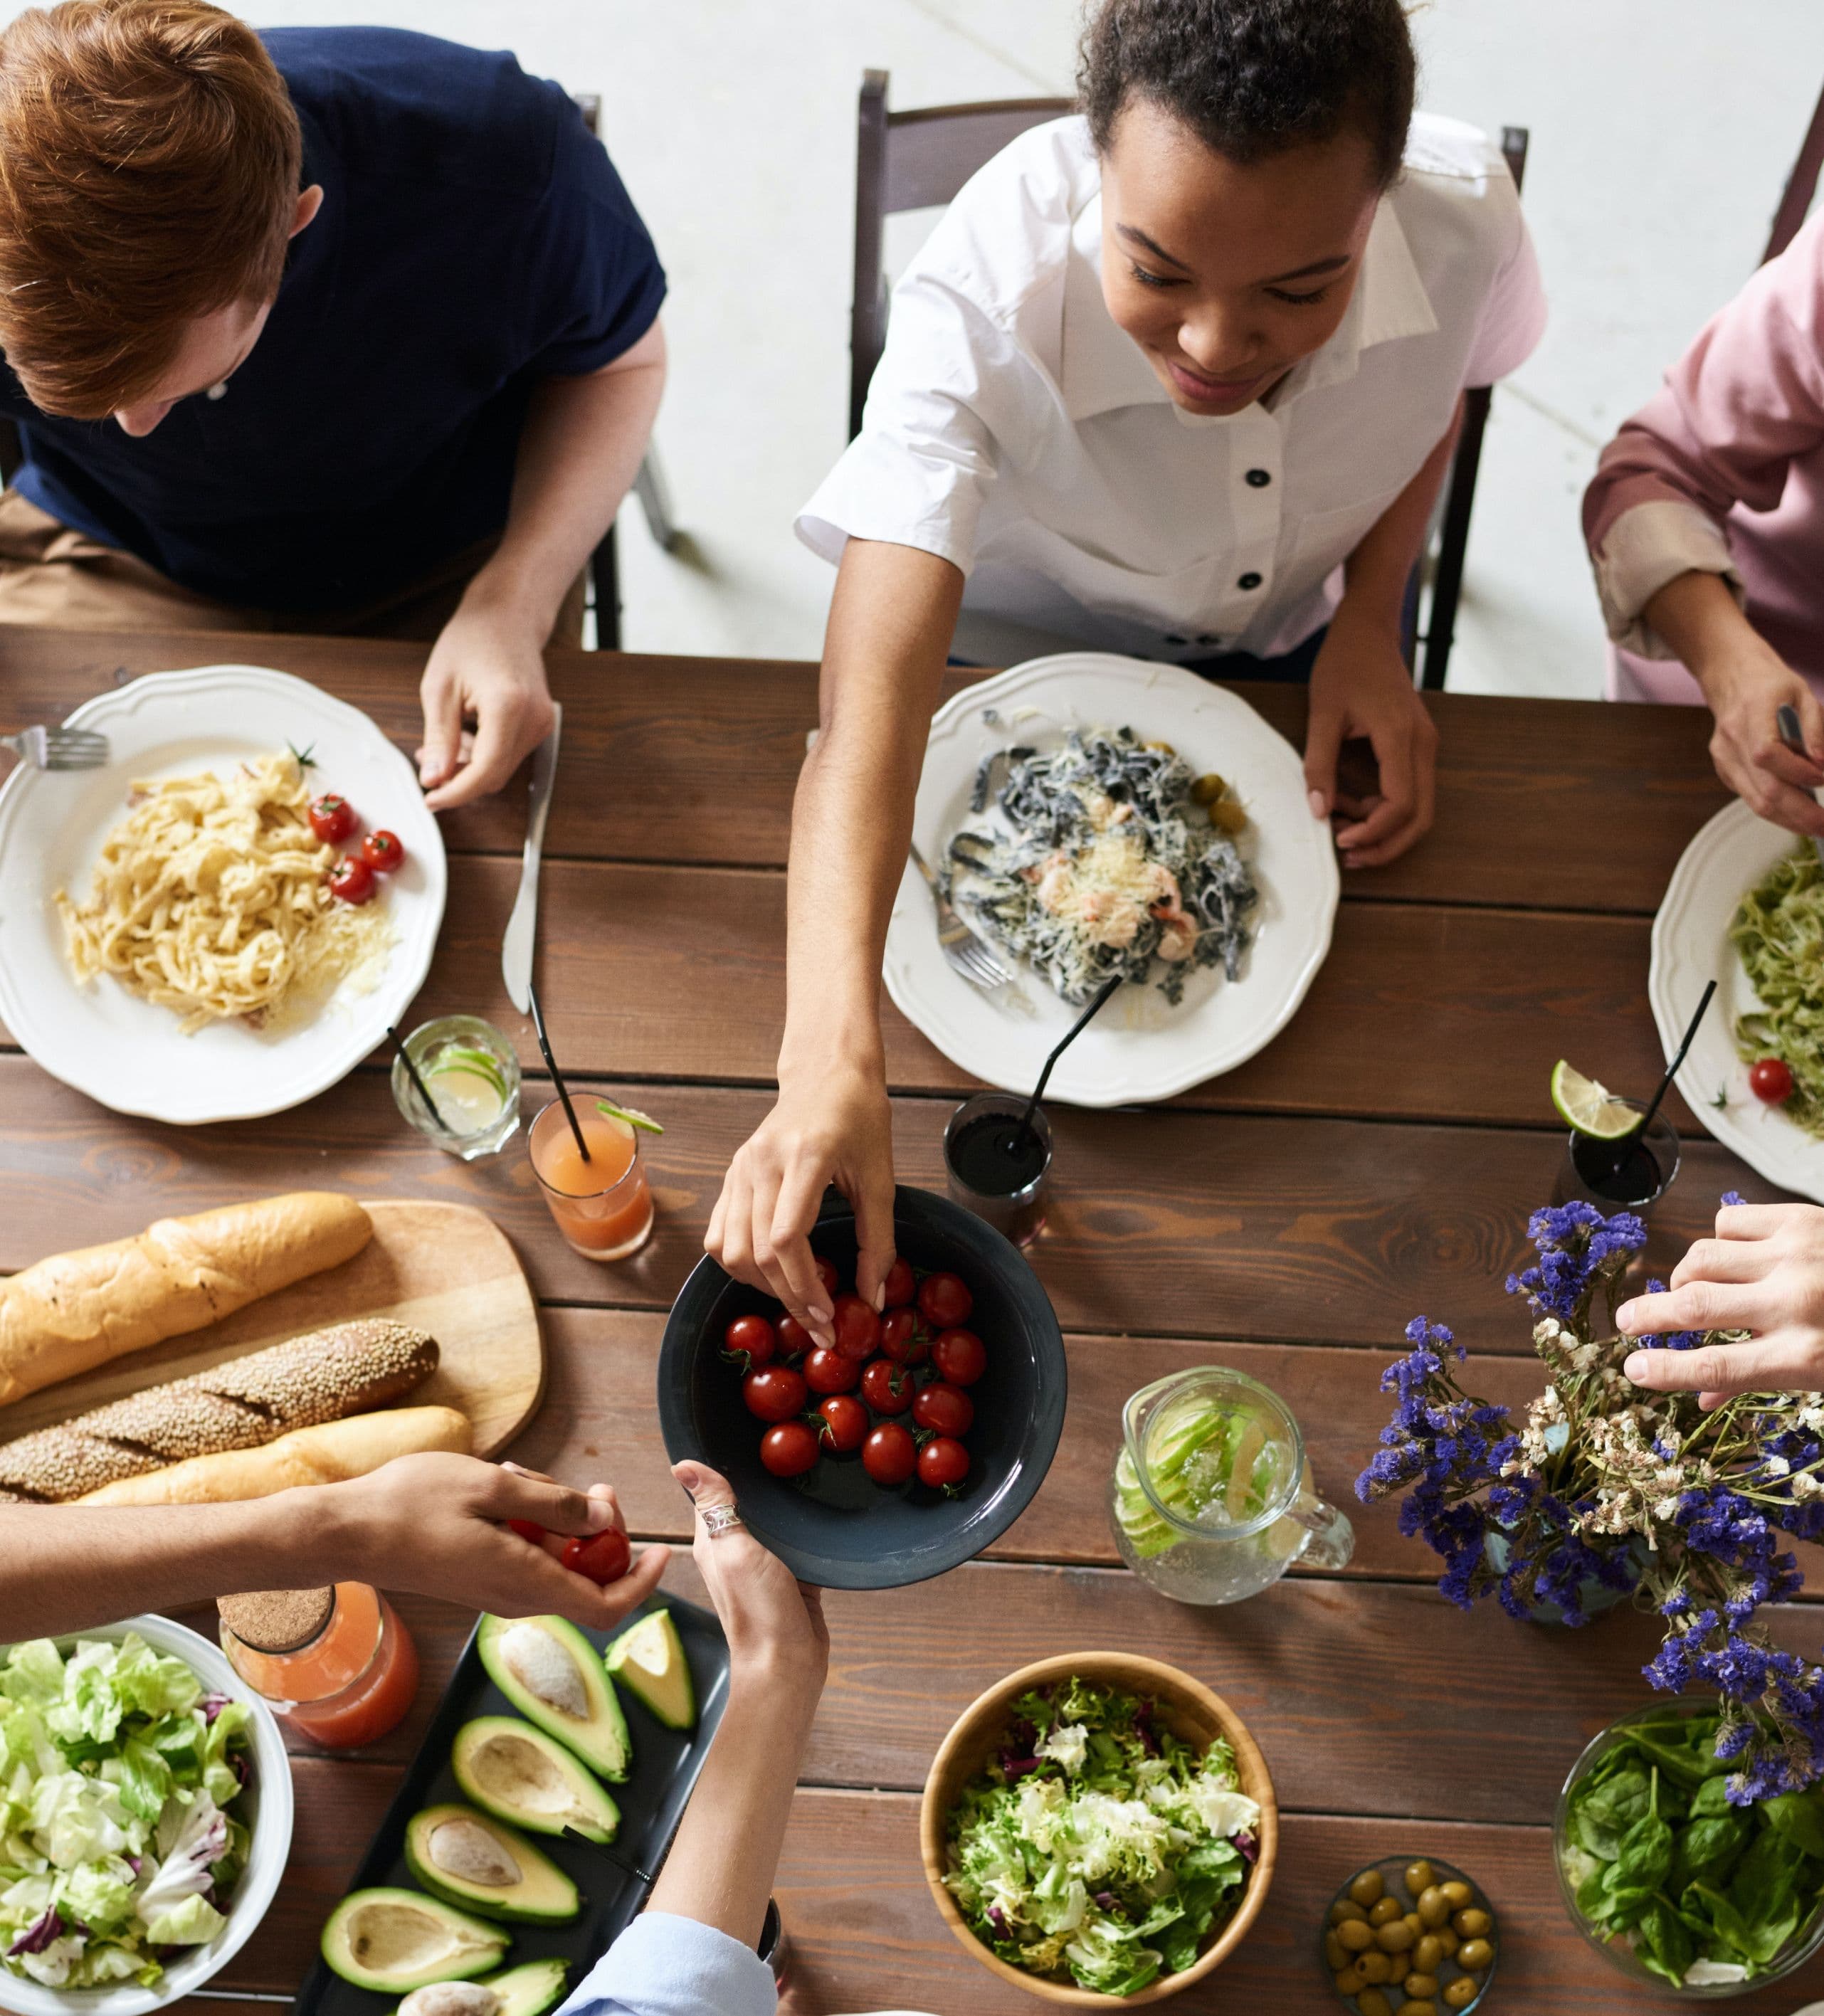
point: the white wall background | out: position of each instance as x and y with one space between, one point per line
1662 132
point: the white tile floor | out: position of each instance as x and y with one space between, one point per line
1662 132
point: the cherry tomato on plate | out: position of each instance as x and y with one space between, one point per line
332 818
829 1372
944 1300
857 1328
845 1423
903 1336
603 1558
1771 1079
889 1455
351 879
887 1387
794 1339
947 1409
775 1393
959 1357
381 850
942 1463
828 1275
790 1450
897 1294
749 1342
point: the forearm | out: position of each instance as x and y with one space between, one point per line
579 450
722 1863
1701 623
891 622
1376 575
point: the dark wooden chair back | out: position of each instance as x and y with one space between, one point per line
914 161
1801 186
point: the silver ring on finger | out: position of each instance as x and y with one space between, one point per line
720 1519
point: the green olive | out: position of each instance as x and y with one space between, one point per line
1209 788
1368 1888
1459 1892
1417 1924
1385 1911
1375 1966
1335 1952
1475 1954
1400 1965
1421 1985
1420 2008
1372 2002
1420 1876
1429 1955
1226 816
1346 1907
1356 1935
1348 1982
1434 1906
1446 1938
1473 1924
1396 1936
1461 1991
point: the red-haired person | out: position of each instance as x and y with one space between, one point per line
340 330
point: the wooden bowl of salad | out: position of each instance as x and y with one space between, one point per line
1087 1727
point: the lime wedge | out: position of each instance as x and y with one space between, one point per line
467 1100
630 1116
1589 1107
478 1063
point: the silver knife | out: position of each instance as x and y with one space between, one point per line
522 927
1791 735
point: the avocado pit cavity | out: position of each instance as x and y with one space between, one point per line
388 1938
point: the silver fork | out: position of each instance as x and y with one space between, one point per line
966 952
58 748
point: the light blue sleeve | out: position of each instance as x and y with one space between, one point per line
663 1966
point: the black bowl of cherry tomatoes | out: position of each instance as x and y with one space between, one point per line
909 1448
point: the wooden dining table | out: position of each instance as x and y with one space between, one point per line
1377 1162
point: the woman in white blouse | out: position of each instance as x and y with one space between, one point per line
1178 378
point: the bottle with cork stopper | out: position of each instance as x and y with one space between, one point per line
334 1664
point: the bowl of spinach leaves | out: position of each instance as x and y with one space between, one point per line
1670 1880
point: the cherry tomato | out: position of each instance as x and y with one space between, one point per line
829 1372
381 850
903 1336
887 1387
1771 1079
774 1394
845 1419
889 1455
942 1463
527 1529
603 1558
944 1300
793 1338
959 1357
748 1342
947 1409
790 1450
351 879
828 1275
857 1328
332 818
898 1292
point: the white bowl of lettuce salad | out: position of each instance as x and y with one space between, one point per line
1100 1827
145 1818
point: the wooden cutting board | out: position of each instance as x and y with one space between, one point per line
444 1268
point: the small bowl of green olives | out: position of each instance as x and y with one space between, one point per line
1409 1935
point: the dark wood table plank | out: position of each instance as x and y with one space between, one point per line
693 759
1180 1224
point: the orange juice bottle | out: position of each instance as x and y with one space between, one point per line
336 1665
603 1207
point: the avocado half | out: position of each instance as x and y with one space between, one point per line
648 1657
527 1990
469 1858
555 1678
397 1940
520 1775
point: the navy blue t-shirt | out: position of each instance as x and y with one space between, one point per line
474 239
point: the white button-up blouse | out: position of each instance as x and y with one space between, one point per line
1015 431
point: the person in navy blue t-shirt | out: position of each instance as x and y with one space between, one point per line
343 330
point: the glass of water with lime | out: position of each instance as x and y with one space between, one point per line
471 1072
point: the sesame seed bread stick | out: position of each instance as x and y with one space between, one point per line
64 1315
327 1454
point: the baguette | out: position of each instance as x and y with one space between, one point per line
326 1454
74 1311
347 1369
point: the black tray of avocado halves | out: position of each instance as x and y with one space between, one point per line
543 1797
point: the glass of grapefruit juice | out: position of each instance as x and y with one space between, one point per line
603 1207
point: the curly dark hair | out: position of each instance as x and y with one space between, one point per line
1254 77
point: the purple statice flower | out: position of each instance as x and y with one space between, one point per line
1574 1242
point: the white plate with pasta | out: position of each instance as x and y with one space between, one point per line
167 944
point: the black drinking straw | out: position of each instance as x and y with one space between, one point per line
557 1075
1069 1037
1638 1133
412 1073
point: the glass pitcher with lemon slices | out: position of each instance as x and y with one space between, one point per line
1211 1497
470 1073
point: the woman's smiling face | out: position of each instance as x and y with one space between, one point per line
1227 273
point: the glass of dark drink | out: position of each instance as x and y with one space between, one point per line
1630 1174
998 1169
